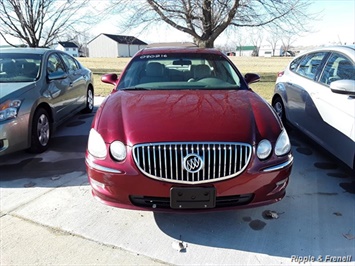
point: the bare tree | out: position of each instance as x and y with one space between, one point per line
205 20
39 22
256 39
273 38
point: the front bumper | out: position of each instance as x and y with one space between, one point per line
130 189
14 135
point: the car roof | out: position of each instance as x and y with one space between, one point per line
178 49
25 50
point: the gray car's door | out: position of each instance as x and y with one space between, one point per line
77 81
58 91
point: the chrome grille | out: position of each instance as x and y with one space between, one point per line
165 161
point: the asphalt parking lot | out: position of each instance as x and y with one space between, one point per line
49 217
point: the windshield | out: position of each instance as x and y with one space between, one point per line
16 67
180 71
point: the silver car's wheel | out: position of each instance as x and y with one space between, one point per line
279 108
41 131
89 101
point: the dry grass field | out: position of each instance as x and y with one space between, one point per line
266 67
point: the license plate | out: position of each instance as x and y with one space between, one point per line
192 198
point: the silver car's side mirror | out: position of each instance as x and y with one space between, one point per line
344 86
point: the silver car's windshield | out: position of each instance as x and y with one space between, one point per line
16 67
180 71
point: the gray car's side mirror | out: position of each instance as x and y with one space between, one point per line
57 75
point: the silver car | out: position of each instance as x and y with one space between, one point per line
39 89
316 94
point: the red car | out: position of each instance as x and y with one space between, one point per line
182 131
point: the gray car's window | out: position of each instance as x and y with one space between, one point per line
70 62
54 64
18 67
310 64
338 67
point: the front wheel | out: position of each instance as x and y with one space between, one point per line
41 131
89 101
279 108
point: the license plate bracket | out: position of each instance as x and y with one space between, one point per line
192 197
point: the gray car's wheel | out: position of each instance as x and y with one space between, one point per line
279 108
41 131
89 101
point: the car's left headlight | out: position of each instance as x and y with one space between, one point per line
264 149
283 144
9 109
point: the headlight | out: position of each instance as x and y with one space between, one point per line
9 109
283 144
118 150
264 149
96 144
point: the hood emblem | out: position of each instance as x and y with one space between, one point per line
193 163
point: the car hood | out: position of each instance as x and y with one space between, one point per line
14 88
188 115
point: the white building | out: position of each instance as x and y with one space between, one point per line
109 45
68 47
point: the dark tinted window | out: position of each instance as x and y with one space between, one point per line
337 67
310 64
294 64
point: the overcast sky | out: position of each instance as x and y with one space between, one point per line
336 24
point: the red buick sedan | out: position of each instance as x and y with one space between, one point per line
182 131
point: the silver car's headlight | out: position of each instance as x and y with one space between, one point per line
96 144
283 144
264 149
118 150
9 109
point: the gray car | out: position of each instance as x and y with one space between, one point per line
316 94
39 89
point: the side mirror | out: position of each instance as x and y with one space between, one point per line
110 79
251 78
344 86
57 75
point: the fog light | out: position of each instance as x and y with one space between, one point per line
96 184
281 185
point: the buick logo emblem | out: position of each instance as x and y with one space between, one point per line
193 163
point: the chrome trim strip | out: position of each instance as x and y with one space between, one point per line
279 166
102 168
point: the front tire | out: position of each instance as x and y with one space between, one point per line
41 131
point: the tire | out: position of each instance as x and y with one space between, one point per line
41 131
279 108
89 101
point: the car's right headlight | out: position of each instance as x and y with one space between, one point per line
96 144
118 150
9 109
